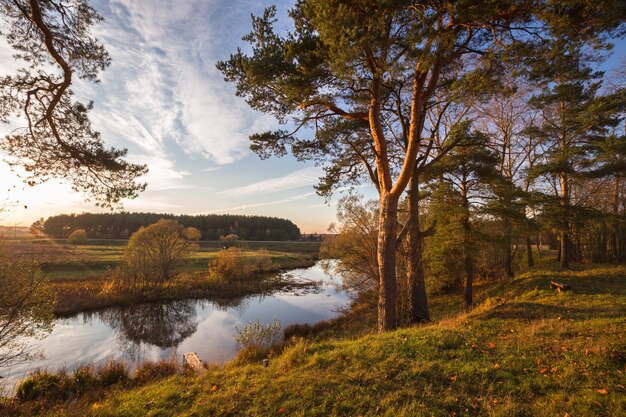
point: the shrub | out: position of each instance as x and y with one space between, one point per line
150 371
154 251
41 384
113 373
306 330
63 385
233 263
25 308
256 335
78 237
229 240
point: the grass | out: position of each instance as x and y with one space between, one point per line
95 294
63 262
80 276
525 350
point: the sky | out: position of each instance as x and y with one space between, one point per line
164 100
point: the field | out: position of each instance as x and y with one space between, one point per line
81 278
63 262
525 350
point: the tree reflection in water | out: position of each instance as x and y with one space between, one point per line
164 325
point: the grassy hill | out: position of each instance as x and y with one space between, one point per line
526 350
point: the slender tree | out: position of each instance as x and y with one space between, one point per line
470 169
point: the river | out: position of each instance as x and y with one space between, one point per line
154 331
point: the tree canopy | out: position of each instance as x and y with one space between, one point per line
358 78
54 137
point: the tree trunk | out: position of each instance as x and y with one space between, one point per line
418 301
468 298
564 259
387 292
564 252
508 257
529 252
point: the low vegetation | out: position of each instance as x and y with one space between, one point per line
525 350
233 263
25 308
86 381
83 277
77 237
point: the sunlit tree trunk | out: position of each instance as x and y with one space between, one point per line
387 291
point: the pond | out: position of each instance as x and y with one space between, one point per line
154 331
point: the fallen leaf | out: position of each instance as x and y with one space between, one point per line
214 388
453 378
496 366
280 410
491 345
543 369
603 391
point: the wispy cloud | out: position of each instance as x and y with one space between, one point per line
164 100
300 178
162 88
267 203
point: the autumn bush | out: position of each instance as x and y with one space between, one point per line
25 308
233 263
155 251
78 237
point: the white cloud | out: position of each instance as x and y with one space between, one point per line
267 203
300 178
162 88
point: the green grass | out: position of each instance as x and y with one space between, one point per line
80 276
525 350
63 262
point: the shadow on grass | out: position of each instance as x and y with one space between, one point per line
537 311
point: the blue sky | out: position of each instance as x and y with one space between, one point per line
164 100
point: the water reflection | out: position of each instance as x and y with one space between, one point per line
164 325
159 330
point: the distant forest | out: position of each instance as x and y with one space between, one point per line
211 226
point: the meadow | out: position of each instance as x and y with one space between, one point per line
81 277
525 350
61 261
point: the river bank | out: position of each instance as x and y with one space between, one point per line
525 350
73 296
162 330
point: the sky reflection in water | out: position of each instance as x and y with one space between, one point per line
160 330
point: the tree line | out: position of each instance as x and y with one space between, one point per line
210 226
